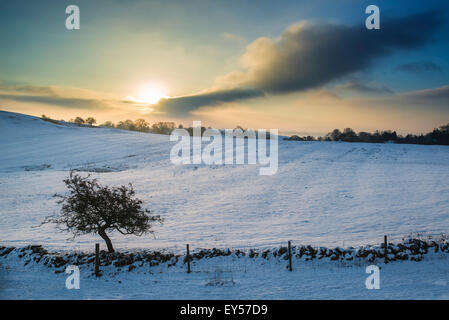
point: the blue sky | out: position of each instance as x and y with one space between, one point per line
188 48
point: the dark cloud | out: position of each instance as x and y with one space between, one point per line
181 106
310 55
419 67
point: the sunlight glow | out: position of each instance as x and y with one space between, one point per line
151 93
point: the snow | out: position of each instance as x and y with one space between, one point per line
232 278
324 194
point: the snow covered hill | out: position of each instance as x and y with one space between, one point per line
324 193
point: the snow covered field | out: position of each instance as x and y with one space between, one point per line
324 193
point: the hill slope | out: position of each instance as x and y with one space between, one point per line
324 193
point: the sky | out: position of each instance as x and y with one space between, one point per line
298 66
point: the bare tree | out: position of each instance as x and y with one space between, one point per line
108 124
79 121
91 121
92 208
163 127
142 125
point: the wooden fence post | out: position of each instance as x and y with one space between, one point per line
97 259
385 249
290 256
188 259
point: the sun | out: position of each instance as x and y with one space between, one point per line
151 93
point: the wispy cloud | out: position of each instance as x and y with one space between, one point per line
182 106
61 102
64 97
436 96
363 88
419 67
233 38
428 100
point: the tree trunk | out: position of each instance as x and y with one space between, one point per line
105 237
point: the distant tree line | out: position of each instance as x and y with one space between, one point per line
48 119
438 136
80 121
136 125
161 127
142 126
